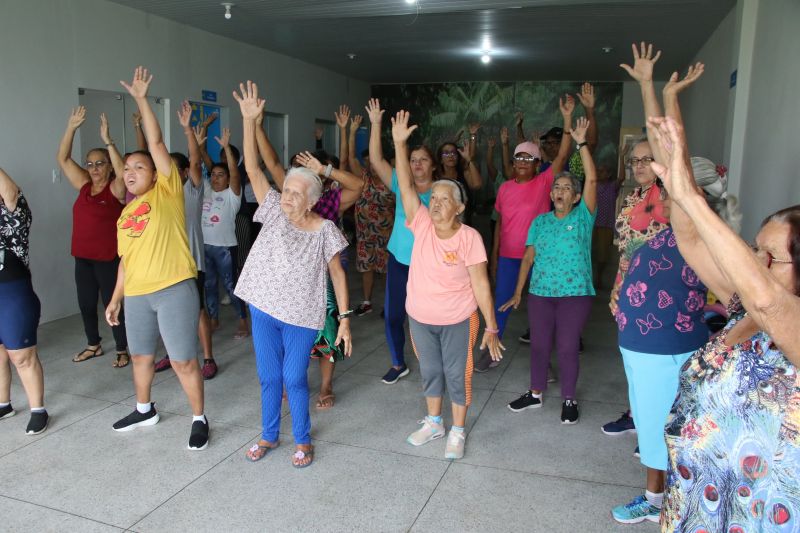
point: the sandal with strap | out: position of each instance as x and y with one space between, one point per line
123 359
79 357
258 451
300 455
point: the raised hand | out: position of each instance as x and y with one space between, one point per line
225 140
676 175
491 142
401 131
374 111
249 103
474 127
579 131
76 118
104 133
140 84
199 134
342 116
504 135
185 114
586 96
566 105
464 154
518 119
676 85
310 162
355 122
643 61
210 119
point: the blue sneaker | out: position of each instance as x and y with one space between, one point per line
623 424
638 510
395 374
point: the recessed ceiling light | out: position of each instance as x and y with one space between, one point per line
607 49
351 56
486 58
411 1
227 6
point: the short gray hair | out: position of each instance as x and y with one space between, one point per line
455 189
577 186
313 183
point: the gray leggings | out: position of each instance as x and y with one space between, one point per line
445 357
174 311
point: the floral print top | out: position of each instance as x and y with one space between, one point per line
733 436
15 227
374 219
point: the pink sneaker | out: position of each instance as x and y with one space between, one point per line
209 368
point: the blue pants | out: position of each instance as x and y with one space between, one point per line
282 360
394 306
507 274
219 265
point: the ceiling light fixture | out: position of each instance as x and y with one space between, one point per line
411 2
227 6
351 56
486 58
607 49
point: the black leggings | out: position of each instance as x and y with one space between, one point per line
92 277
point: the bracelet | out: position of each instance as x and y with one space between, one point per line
110 143
581 145
328 170
344 315
567 132
492 331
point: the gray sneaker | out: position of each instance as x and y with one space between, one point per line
429 431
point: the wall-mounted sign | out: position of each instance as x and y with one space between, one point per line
209 96
733 78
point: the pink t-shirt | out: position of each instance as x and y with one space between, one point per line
439 287
518 204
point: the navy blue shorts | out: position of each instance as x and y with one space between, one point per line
20 311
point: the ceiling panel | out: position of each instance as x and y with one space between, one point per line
442 40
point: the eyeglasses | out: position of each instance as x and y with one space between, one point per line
96 164
644 161
768 257
562 188
524 159
449 154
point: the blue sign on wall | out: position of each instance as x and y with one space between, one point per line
733 78
209 96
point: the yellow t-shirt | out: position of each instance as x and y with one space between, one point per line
151 238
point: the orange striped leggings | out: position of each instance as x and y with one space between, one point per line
445 357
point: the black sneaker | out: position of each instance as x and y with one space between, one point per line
38 422
526 401
394 374
7 412
363 309
137 419
198 438
569 412
526 337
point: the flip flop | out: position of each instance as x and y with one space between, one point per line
97 352
258 452
120 357
299 455
322 406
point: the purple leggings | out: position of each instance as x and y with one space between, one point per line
562 318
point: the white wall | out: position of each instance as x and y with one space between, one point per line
48 49
771 163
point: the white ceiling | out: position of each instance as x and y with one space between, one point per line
441 40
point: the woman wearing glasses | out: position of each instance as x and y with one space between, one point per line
561 288
94 232
521 199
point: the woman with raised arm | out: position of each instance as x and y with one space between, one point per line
193 193
19 308
283 280
374 219
94 234
457 165
157 274
447 283
401 241
733 433
522 198
561 288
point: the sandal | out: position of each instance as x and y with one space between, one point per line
326 402
80 358
123 359
258 451
300 455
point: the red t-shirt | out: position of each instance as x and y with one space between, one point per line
94 224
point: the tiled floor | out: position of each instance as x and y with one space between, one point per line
522 471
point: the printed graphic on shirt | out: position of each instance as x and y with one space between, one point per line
137 221
450 258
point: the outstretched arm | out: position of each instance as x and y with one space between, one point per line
472 173
520 129
508 168
524 269
379 164
184 118
203 133
116 185
351 184
580 134
251 107
269 155
401 131
141 142
352 158
342 118
567 106
642 71
233 168
490 168
76 175
152 131
586 96
9 191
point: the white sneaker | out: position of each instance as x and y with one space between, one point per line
455 445
429 431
